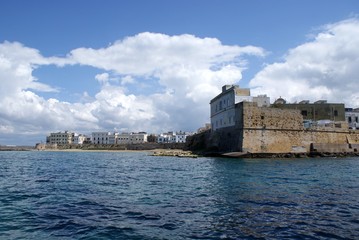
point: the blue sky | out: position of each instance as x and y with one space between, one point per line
154 65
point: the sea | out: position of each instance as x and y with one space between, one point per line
132 195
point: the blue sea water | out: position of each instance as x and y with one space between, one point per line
122 195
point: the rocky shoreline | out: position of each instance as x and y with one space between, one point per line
181 150
280 155
16 148
174 153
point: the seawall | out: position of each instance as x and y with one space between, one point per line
255 142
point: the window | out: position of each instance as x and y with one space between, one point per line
356 119
349 119
304 113
335 113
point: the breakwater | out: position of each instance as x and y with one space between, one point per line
224 143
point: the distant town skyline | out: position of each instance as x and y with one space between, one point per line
154 65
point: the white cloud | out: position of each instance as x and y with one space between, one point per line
127 80
22 110
102 78
326 67
16 65
188 70
184 72
5 129
147 53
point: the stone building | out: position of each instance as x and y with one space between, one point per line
205 128
222 106
257 128
60 138
319 110
275 130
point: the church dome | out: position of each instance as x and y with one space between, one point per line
280 100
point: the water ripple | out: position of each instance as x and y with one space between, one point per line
53 195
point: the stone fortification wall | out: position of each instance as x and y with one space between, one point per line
331 147
272 130
286 141
226 139
273 118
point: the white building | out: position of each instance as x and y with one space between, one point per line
60 138
352 117
132 138
172 137
180 137
165 138
223 105
78 138
113 138
100 137
123 138
138 137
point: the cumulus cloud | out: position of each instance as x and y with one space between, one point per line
186 71
16 65
179 75
147 53
22 111
102 78
127 80
326 67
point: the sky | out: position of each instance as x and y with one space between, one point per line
154 66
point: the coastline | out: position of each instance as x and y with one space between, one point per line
16 148
179 151
280 155
152 152
89 150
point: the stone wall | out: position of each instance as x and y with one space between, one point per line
273 130
287 141
273 118
330 147
318 111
